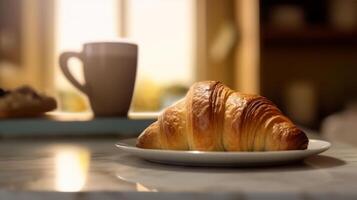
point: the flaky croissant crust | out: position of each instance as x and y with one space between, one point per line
212 117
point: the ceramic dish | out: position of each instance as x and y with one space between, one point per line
204 158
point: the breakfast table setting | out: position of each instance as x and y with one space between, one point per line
214 143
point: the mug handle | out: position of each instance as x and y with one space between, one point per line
63 61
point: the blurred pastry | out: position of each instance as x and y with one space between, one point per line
24 102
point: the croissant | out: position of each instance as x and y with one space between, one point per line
212 117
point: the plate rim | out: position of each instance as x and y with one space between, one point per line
121 145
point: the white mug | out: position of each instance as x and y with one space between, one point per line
109 73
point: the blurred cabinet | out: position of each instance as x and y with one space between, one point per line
309 47
10 31
26 43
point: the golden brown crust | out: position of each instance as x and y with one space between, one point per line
172 124
214 118
150 138
204 135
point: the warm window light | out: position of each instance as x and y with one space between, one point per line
164 31
139 187
142 188
71 168
84 20
77 22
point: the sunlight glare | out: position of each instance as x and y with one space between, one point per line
71 169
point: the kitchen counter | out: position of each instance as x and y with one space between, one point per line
93 168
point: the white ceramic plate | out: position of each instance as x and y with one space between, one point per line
204 158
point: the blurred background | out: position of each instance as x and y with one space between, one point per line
301 54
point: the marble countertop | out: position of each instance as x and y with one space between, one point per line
95 169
